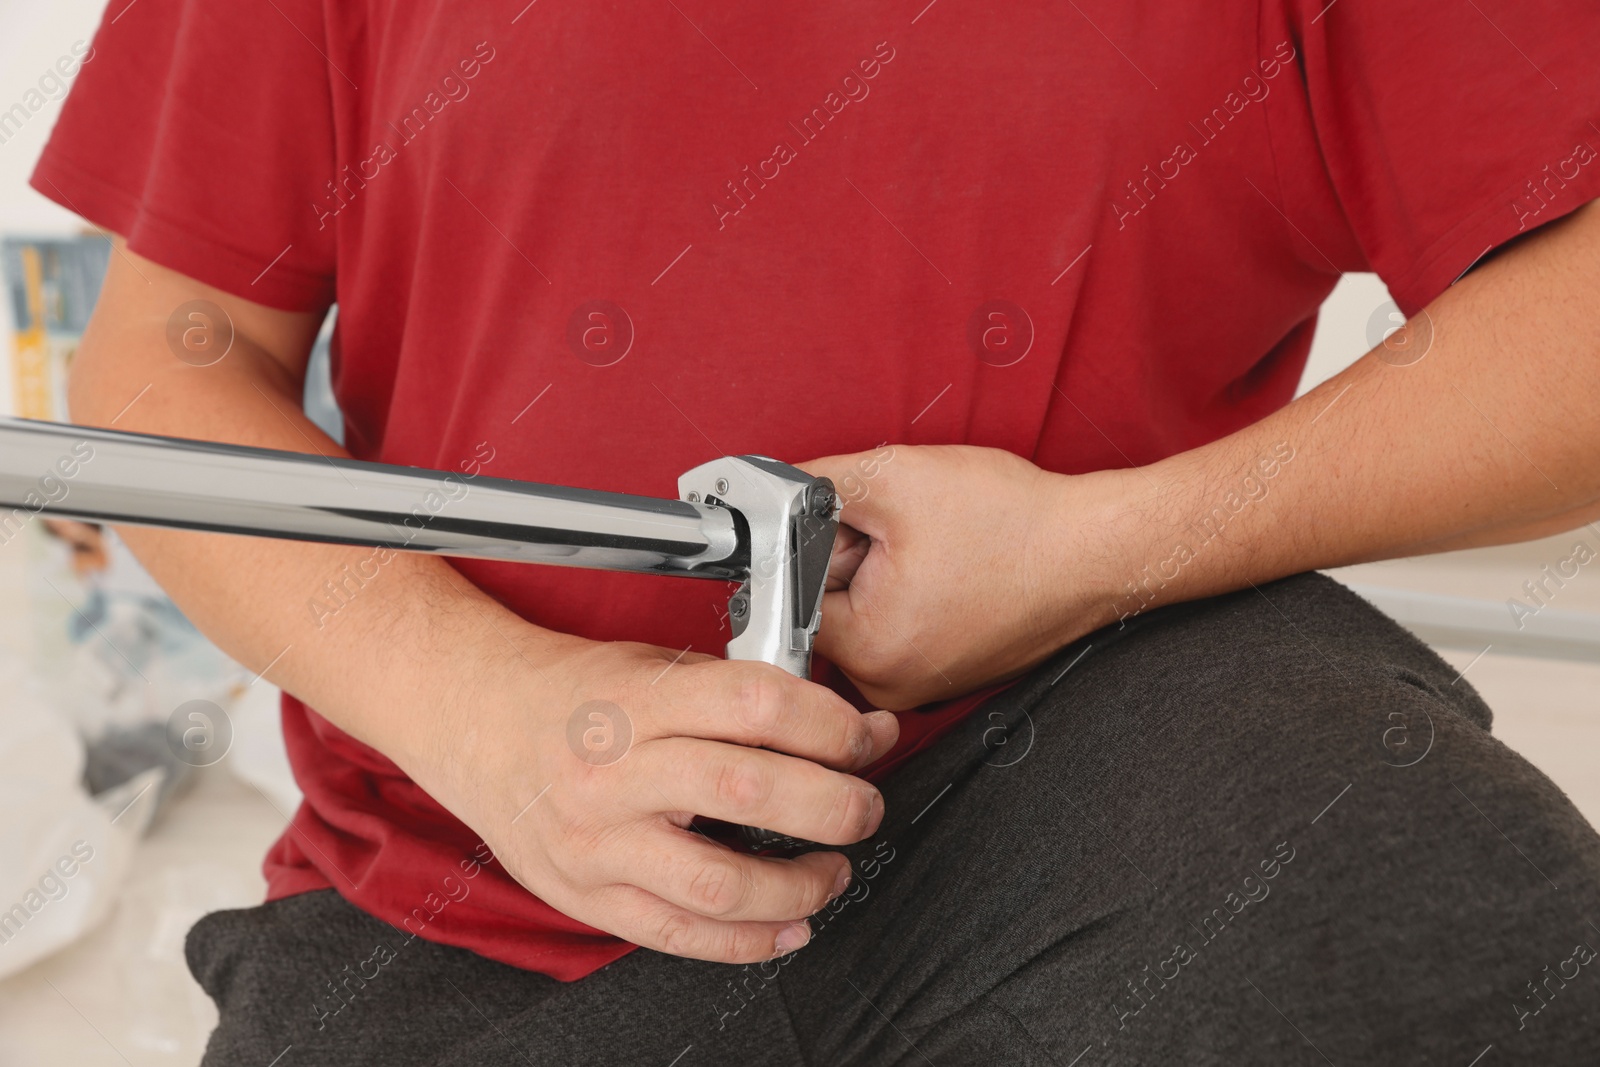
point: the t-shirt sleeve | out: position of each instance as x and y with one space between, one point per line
1448 127
202 131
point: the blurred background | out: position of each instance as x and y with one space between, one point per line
142 775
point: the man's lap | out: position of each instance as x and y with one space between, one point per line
1269 827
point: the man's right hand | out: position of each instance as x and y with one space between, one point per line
581 764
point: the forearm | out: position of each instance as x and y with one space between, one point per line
349 630
1489 437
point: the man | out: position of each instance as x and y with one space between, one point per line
1038 283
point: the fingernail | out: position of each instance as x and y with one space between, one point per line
881 718
842 882
860 748
875 817
877 730
791 938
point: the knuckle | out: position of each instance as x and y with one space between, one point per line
675 934
852 812
741 783
561 821
812 894
857 736
760 701
576 836
747 947
716 889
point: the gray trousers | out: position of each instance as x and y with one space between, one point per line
1265 828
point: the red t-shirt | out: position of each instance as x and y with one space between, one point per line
1094 235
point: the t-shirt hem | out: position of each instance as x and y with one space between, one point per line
285 881
1482 231
177 247
950 714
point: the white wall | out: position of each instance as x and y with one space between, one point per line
1358 305
33 35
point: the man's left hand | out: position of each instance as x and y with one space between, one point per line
950 570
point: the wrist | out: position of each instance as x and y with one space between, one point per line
468 661
1097 537
1197 524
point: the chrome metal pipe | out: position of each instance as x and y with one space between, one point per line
749 519
115 477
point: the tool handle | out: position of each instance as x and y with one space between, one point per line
754 837
787 524
789 520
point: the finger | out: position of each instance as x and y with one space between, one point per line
645 919
850 548
753 787
762 706
684 867
848 627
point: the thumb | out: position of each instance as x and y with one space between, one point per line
840 630
856 523
854 475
